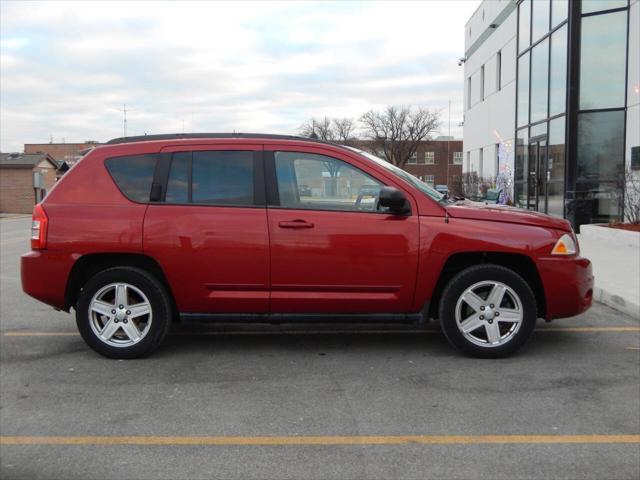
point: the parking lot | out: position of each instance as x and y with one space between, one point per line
325 401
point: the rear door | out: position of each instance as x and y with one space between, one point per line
209 231
332 250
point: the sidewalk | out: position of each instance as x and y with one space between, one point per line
616 266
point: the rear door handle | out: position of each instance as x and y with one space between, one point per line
296 224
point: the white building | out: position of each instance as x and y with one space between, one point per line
552 102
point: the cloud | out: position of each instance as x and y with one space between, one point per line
66 68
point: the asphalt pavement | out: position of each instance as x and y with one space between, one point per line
314 402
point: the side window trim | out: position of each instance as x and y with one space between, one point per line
163 170
271 179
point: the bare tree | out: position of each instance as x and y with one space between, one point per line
319 129
628 194
330 130
344 130
397 131
338 130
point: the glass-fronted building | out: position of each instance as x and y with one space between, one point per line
567 75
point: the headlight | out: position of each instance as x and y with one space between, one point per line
565 246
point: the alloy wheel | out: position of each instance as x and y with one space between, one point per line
489 313
120 314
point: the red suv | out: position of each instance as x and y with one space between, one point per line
145 231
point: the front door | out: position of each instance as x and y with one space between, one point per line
538 175
332 249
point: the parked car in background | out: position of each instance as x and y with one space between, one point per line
147 231
443 189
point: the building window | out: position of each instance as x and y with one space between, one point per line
600 164
428 179
523 90
558 73
556 167
413 159
482 83
468 93
635 158
457 158
524 25
603 55
468 162
590 6
499 71
521 167
429 158
496 167
540 19
480 163
558 12
539 80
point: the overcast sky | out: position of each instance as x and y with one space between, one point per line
68 68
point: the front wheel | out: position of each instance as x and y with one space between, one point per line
488 311
123 313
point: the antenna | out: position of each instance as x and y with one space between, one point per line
124 119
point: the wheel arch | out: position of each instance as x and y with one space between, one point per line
89 265
522 264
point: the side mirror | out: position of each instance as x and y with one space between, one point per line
394 200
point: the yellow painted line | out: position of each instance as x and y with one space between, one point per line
633 348
323 440
329 332
41 334
588 329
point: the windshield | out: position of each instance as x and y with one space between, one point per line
406 176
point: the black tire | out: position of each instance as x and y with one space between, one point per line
470 277
160 307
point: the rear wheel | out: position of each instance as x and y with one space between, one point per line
123 313
488 311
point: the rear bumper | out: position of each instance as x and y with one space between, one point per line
568 285
44 276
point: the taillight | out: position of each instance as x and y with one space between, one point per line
39 223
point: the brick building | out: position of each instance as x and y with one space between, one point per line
433 165
67 152
24 180
436 162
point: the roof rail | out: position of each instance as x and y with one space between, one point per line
181 136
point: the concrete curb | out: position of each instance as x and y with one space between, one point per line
606 234
616 242
623 305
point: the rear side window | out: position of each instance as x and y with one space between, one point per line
133 175
179 178
212 177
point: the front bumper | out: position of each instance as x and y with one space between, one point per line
568 285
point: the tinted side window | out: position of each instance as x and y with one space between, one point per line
133 175
317 182
222 178
179 173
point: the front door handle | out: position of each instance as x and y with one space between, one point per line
296 224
